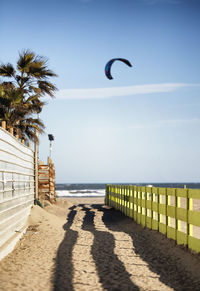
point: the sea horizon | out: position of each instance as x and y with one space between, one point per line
98 189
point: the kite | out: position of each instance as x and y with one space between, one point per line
109 65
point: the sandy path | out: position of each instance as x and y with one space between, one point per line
140 273
82 245
85 274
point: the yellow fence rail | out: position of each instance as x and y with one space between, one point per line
174 212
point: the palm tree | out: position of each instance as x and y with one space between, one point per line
21 93
18 114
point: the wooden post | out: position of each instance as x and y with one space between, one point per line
4 125
11 130
17 134
36 166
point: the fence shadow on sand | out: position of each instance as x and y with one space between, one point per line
63 270
111 271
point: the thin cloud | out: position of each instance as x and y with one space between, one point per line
167 123
180 121
149 2
103 93
86 1
153 2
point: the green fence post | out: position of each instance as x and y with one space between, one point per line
171 213
120 195
193 221
111 195
145 205
132 201
126 202
155 208
118 199
114 197
152 208
122 190
158 210
181 216
176 210
162 211
151 195
188 206
136 204
166 216
123 199
108 197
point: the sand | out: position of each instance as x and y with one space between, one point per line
80 244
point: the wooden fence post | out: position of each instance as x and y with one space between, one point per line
36 166
4 125
11 130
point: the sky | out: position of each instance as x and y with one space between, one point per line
142 126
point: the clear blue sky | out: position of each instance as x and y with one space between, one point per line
142 126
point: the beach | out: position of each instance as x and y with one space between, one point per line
81 244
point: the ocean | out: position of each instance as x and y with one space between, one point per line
98 190
80 190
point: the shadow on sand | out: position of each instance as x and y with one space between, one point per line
111 271
146 243
63 271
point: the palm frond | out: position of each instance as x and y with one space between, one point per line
47 73
7 85
34 89
25 59
7 70
36 70
28 128
32 98
47 88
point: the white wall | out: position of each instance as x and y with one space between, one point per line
16 189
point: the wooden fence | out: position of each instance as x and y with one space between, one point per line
46 181
173 212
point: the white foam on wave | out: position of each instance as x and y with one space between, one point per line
81 193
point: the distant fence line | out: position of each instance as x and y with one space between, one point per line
17 188
174 212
